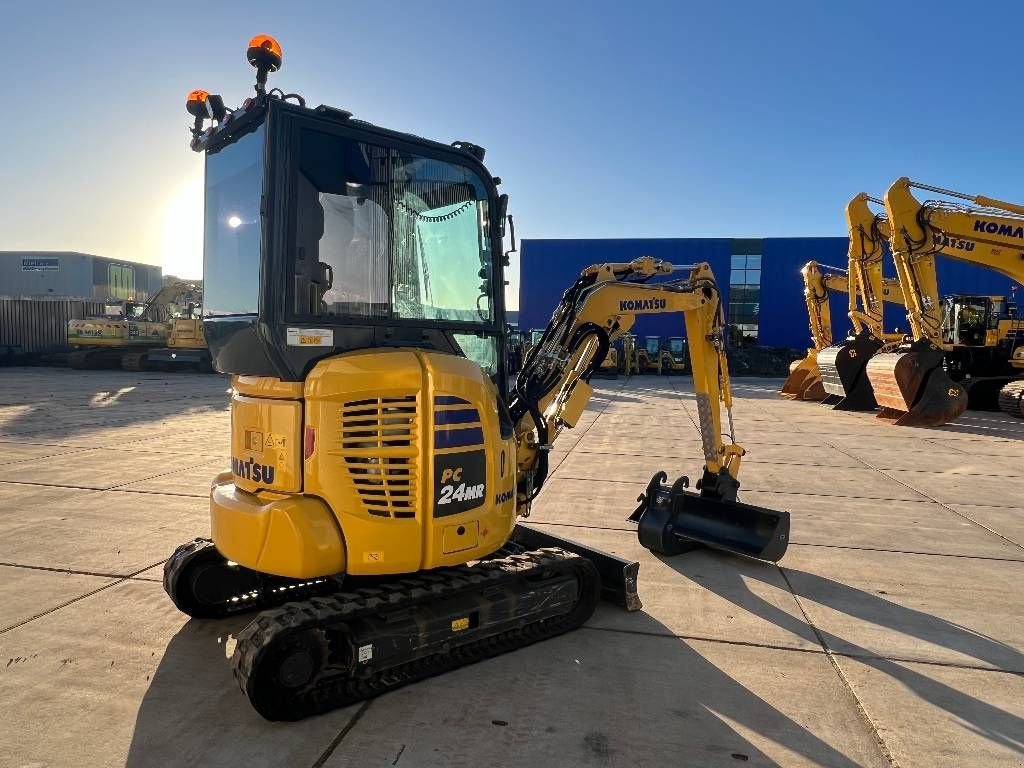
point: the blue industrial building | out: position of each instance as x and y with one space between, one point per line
759 279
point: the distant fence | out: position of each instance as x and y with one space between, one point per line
41 324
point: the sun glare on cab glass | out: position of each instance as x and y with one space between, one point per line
234 222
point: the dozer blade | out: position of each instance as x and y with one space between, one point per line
672 520
618 576
842 372
912 387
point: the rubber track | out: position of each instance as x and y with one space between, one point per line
338 689
274 591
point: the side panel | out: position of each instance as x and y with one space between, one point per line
265 440
409 458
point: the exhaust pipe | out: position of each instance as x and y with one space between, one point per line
843 372
912 387
672 520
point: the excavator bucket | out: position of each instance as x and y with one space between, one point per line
842 372
912 387
1011 399
799 371
672 520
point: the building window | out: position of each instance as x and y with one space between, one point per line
744 298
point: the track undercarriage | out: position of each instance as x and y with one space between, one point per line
323 644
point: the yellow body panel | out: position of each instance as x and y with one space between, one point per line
186 333
265 439
293 536
406 455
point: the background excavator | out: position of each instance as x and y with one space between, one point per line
963 349
379 460
804 380
167 327
843 366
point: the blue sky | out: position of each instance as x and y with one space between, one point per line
604 119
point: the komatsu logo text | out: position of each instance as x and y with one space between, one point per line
251 470
995 228
637 305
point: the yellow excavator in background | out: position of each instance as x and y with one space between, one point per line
675 355
167 329
963 349
628 361
804 381
843 366
379 461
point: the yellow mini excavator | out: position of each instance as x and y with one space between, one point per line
963 349
354 287
843 366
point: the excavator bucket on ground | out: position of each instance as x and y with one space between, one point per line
804 380
843 375
672 520
912 387
1011 399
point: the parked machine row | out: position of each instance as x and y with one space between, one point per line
961 350
165 332
627 355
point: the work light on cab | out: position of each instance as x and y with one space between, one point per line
204 106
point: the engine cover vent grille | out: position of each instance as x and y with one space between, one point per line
378 442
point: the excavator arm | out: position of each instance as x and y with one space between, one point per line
842 366
553 389
910 384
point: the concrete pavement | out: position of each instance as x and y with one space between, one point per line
892 634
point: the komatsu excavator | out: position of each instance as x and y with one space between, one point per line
804 381
843 365
354 287
963 349
132 332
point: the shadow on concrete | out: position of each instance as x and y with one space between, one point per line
681 707
58 403
995 724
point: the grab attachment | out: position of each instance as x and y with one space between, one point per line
672 520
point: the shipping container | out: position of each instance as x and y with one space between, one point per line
40 325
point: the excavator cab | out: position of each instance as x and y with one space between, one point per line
366 238
971 321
